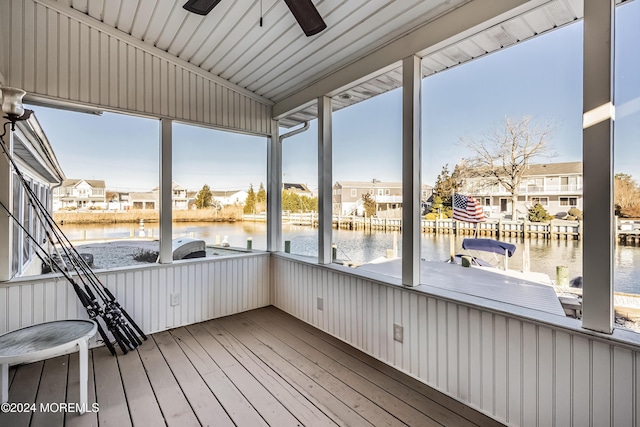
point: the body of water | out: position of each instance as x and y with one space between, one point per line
361 246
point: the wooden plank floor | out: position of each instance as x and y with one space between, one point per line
258 368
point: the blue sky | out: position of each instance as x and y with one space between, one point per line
541 78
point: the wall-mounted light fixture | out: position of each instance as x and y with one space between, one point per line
12 105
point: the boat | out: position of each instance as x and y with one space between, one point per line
570 300
482 271
477 251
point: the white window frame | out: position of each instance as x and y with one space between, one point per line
544 201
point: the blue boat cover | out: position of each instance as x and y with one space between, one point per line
489 245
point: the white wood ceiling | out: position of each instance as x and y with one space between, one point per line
277 59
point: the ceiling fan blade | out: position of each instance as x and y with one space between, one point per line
307 16
201 7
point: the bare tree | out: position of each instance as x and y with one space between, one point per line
502 157
626 192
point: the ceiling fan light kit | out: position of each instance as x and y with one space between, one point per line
304 11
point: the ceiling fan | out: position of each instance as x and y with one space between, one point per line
303 10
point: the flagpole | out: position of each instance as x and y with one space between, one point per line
452 239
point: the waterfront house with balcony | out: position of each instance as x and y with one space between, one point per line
80 194
556 186
270 338
179 199
347 196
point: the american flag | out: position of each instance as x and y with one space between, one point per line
467 209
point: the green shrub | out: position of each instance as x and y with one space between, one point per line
146 256
575 213
537 213
446 213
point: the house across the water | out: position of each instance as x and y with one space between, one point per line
80 194
347 196
556 186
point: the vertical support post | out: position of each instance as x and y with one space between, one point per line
166 161
6 228
411 177
325 176
274 190
598 108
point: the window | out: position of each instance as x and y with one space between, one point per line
372 127
477 104
387 192
535 185
354 192
626 275
127 163
568 201
544 201
300 166
219 196
23 247
26 223
17 240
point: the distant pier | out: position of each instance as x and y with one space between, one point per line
556 229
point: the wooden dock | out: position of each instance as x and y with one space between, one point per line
367 223
498 229
554 230
494 228
629 237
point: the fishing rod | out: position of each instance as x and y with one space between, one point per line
86 297
112 311
93 310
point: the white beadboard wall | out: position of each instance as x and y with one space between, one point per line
520 372
60 57
209 288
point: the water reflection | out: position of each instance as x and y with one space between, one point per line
360 246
